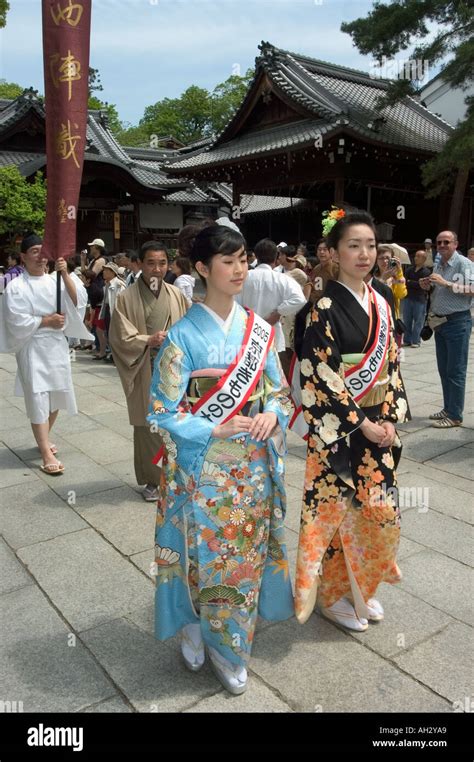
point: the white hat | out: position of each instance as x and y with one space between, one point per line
427 240
227 223
112 266
398 251
282 245
298 258
97 242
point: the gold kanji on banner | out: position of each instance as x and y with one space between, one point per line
71 13
69 71
62 211
66 143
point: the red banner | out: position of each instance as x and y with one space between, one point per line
66 44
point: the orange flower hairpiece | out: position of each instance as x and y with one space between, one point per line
330 218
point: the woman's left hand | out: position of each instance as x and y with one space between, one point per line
262 426
390 434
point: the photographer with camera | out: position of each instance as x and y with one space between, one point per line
389 271
452 288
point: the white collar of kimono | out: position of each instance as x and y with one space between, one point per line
223 324
363 301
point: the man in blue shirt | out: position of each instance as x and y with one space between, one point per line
452 286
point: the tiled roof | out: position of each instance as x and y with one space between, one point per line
19 158
150 154
255 204
332 96
12 111
101 146
194 196
254 144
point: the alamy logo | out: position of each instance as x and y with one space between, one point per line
45 736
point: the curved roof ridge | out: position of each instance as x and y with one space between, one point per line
331 102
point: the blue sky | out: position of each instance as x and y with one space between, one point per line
147 50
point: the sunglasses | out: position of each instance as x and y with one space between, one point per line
444 242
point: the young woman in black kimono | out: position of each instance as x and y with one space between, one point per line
352 396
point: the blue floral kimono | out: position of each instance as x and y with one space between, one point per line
220 552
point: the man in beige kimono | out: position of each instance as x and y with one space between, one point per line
142 316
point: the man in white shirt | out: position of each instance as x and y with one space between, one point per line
35 331
271 294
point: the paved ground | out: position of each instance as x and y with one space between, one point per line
77 599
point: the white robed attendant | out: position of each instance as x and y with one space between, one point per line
36 333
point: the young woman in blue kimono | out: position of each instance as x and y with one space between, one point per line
220 401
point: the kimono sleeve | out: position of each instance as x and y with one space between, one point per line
189 435
124 337
74 323
395 406
277 391
18 324
328 407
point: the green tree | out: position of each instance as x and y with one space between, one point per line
4 8
111 110
196 114
227 97
22 203
134 136
186 118
95 83
10 89
393 27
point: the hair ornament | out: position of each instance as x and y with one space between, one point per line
330 218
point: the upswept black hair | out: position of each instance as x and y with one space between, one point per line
213 240
152 246
352 218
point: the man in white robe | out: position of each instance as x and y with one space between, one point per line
33 329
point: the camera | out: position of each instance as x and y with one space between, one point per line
393 263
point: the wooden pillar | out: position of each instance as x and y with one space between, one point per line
136 225
117 231
339 191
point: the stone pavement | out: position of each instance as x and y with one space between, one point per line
76 595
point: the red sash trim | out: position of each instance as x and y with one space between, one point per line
359 365
218 386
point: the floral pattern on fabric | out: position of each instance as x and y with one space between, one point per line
349 515
222 502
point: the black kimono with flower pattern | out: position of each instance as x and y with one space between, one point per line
350 521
